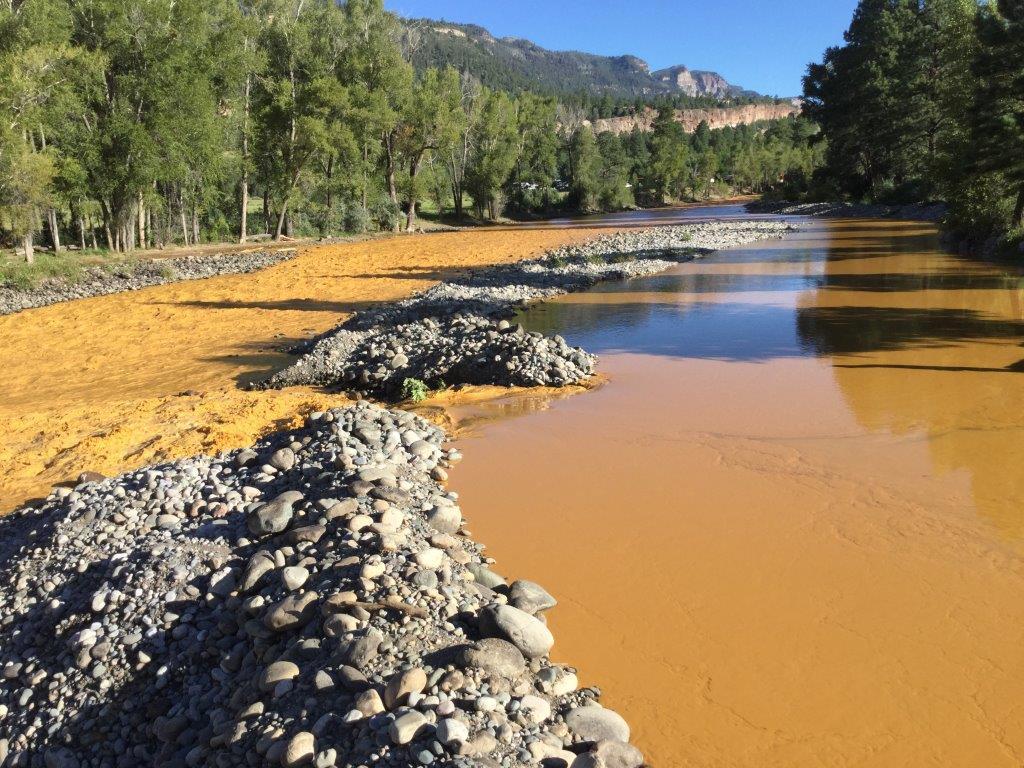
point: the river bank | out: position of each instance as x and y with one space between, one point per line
135 275
315 599
114 382
457 333
380 606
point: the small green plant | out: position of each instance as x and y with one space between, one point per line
414 390
558 262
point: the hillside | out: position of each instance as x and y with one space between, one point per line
515 64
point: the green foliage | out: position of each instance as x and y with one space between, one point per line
131 124
669 154
414 390
584 170
926 99
494 154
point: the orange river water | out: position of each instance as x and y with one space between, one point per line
789 531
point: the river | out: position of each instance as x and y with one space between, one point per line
789 529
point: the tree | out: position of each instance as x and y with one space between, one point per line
432 123
460 153
997 132
379 81
669 152
302 100
584 169
615 189
494 154
38 71
537 153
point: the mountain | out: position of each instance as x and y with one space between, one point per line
514 64
698 83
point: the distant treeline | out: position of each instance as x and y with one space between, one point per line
140 123
926 101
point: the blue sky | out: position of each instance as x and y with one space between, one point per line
764 45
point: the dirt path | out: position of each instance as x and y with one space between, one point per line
114 382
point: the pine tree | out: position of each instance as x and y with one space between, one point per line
998 129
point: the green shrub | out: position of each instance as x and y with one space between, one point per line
414 390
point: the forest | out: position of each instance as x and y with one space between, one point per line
131 124
925 101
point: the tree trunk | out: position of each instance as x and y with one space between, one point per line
280 220
266 210
195 226
51 221
457 200
142 221
243 229
184 223
366 181
414 169
106 226
330 180
389 167
30 253
81 232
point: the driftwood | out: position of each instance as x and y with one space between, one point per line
394 603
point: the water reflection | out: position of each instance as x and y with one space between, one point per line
919 341
812 448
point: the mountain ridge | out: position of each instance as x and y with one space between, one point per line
515 63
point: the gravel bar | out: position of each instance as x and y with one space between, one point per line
932 212
131 276
314 600
457 332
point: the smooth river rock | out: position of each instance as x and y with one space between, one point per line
525 632
596 723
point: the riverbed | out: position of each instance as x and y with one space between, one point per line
789 530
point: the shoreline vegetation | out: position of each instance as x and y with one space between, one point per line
923 102
293 120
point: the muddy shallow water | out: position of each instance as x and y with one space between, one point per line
790 529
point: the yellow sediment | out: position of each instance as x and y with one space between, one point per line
116 382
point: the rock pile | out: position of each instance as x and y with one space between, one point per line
451 333
131 276
312 601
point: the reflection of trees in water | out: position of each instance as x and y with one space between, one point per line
858 330
930 347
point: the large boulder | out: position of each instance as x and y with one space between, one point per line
527 633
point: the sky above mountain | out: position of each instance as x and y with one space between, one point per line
763 46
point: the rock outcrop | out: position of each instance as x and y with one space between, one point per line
718 117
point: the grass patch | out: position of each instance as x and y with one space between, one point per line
69 266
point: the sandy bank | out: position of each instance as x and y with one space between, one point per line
115 382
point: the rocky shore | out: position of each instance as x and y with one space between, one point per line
458 331
841 210
314 600
131 276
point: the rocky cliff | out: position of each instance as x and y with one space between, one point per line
696 82
721 117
